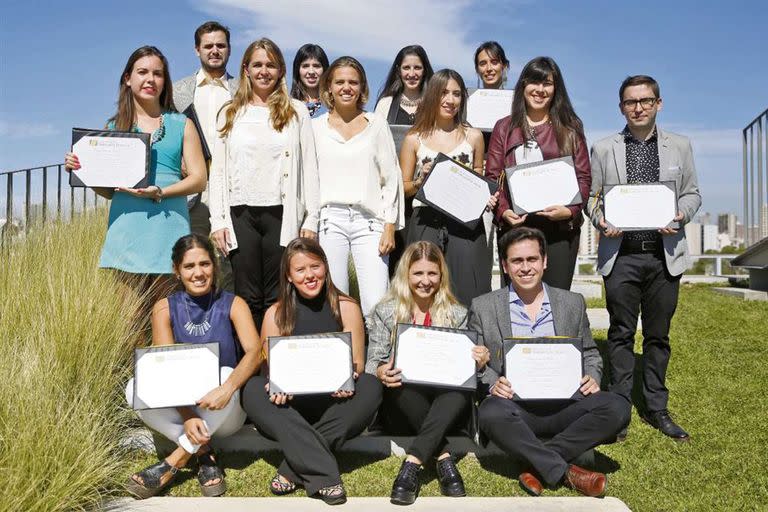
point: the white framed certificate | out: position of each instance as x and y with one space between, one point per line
544 368
174 375
537 185
486 106
640 206
311 364
437 356
110 159
456 191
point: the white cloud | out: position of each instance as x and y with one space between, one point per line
368 29
26 130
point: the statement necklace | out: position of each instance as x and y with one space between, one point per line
198 329
406 103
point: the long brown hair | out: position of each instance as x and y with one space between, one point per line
426 115
125 117
281 110
285 314
568 127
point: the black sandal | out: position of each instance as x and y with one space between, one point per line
208 470
151 478
280 488
333 494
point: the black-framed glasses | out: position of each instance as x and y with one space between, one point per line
645 103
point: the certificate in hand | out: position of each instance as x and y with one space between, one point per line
544 368
640 206
174 375
110 159
535 186
437 356
311 364
486 106
456 191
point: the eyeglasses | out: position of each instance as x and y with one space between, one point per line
645 103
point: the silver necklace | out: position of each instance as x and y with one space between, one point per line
199 329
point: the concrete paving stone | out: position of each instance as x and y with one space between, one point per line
426 504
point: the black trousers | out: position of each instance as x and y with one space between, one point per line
427 412
572 429
640 282
256 262
310 428
562 251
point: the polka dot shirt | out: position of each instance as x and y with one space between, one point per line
642 167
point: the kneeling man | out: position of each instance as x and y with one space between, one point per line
529 308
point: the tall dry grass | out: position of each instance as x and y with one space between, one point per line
66 333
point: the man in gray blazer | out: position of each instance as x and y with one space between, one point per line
528 308
641 269
207 90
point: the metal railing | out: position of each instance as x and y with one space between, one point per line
755 164
45 189
717 268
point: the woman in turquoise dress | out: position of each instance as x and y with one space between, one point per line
145 222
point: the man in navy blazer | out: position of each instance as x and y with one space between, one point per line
528 308
641 269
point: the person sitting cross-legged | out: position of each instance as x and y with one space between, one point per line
529 308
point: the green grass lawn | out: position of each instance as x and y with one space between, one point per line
716 379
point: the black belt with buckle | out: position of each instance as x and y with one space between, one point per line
639 246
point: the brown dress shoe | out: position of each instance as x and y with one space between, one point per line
588 483
530 483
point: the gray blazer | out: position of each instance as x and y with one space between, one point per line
381 322
184 90
609 167
489 316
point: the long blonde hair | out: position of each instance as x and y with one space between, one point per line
281 110
441 311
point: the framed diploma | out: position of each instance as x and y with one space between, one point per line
110 159
399 131
191 114
640 206
535 186
437 356
457 191
311 364
486 106
174 375
544 368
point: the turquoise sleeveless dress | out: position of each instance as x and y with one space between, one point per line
141 232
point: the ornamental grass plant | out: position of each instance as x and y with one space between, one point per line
67 333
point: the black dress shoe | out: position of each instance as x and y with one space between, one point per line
451 483
406 486
662 421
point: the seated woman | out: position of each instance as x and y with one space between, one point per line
420 293
200 313
310 427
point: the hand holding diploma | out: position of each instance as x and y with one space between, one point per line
389 376
217 398
555 213
608 229
589 385
672 231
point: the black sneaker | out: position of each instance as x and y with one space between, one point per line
451 483
406 486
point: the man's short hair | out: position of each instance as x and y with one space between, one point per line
639 80
516 235
207 28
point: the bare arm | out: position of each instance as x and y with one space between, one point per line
162 333
352 321
408 164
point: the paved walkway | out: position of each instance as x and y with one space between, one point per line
541 504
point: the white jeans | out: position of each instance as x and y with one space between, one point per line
169 423
348 228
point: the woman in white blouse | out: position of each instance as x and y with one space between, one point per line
361 190
263 185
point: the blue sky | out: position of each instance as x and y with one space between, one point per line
60 61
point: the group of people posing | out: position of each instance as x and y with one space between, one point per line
298 181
